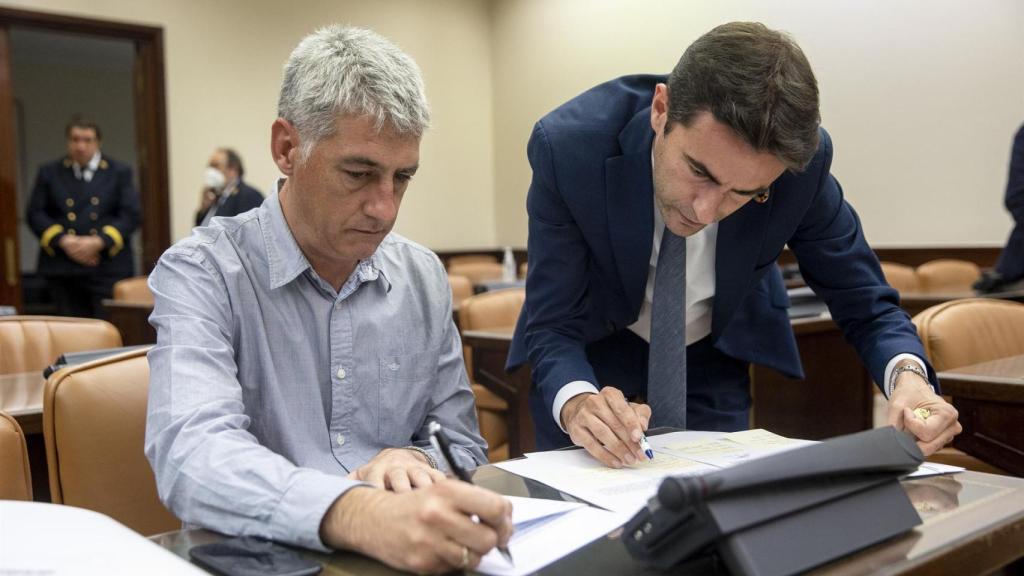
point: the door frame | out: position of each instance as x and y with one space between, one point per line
150 133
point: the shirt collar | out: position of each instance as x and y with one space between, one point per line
93 164
285 259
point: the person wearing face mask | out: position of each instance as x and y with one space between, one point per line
224 192
658 209
83 208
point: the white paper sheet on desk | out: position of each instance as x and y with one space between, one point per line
546 530
577 473
38 538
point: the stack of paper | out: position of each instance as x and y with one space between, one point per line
546 530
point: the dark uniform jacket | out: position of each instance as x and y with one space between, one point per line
107 206
1011 261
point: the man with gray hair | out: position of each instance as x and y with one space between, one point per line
303 348
658 209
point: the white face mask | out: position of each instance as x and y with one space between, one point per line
214 179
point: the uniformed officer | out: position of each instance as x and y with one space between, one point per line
84 209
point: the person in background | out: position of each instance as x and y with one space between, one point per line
224 192
84 209
658 210
1009 269
303 348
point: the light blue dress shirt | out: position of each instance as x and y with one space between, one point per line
267 386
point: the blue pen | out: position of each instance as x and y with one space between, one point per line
646 447
439 440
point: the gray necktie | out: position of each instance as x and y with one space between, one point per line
666 376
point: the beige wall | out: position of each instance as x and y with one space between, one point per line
921 98
223 73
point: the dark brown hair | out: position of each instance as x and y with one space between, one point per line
755 80
82 121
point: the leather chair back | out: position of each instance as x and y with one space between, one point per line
496 309
133 289
470 259
900 276
477 271
970 331
94 424
15 475
29 343
947 275
461 287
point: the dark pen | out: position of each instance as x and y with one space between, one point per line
441 443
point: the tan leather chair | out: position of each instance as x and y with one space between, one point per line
970 331
94 424
496 309
522 269
947 275
461 287
471 259
29 343
477 271
133 289
901 277
15 475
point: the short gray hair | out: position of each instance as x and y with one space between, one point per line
341 70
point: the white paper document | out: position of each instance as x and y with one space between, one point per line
44 539
546 530
627 489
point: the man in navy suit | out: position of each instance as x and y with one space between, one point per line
84 209
634 159
1010 267
224 191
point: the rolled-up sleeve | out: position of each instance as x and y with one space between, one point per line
210 470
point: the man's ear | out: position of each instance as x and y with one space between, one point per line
284 145
659 108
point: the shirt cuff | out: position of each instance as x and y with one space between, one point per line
574 388
887 386
301 511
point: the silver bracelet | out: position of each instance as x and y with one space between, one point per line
912 367
430 459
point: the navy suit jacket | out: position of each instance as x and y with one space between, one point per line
244 199
591 219
1011 261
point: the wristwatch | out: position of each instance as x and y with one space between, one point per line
909 367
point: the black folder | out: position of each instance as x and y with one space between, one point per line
786 513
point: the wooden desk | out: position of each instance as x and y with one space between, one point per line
490 351
990 399
973 524
805 408
132 320
916 302
835 397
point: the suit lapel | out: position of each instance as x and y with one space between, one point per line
630 202
740 238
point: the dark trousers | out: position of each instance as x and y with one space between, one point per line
80 296
717 386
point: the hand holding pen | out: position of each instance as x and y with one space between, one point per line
440 442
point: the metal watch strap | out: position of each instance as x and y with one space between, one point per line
430 459
911 367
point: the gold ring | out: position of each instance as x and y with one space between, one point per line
465 557
922 413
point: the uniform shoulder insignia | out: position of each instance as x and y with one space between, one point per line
67 162
104 165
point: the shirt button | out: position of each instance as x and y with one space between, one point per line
341 439
341 373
